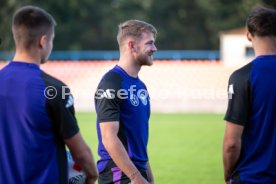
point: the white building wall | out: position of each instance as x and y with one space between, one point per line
233 49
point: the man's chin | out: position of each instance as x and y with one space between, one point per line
148 63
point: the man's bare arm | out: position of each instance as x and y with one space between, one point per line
231 148
150 174
116 150
83 156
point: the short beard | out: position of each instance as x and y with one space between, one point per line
144 61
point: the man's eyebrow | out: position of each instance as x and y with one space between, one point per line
150 41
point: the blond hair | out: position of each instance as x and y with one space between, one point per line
134 28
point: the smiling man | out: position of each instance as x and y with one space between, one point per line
123 116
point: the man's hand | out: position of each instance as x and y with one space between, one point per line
227 179
138 179
83 157
91 180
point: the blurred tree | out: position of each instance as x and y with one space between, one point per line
6 8
271 3
181 24
224 15
92 24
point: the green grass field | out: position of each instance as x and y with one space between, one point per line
183 148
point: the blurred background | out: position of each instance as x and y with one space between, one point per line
200 42
92 24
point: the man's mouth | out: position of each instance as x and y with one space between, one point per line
150 53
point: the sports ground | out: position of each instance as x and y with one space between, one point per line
183 148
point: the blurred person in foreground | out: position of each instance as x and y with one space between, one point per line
123 109
249 145
36 110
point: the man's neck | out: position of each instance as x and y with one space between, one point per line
129 66
265 46
25 57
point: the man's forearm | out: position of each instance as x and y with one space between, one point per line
87 163
150 174
119 155
231 148
231 156
82 155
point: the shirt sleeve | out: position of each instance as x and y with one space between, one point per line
61 110
107 102
239 96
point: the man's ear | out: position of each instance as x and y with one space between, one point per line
42 41
131 46
249 36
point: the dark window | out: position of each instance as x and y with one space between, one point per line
249 52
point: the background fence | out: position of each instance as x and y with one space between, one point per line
174 86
